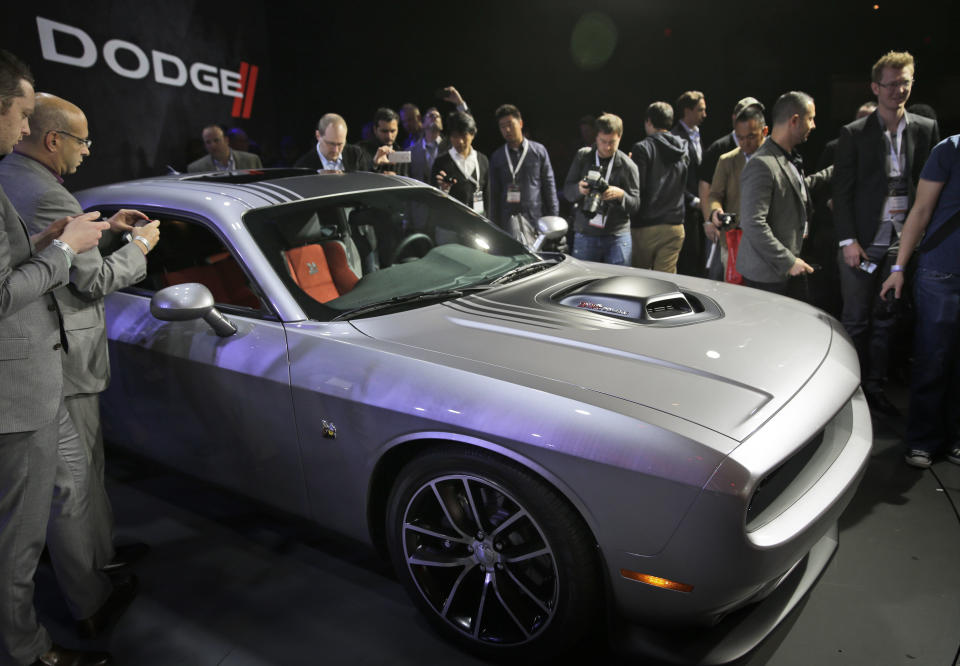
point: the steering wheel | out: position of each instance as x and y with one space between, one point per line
411 248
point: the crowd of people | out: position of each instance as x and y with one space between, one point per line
741 210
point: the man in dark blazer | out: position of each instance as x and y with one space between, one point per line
40 474
332 152
220 157
430 144
32 175
691 111
521 176
463 172
878 162
775 199
384 141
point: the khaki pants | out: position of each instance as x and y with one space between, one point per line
657 247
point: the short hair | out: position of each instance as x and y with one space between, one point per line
220 127
12 71
867 108
608 123
660 115
752 112
688 100
328 119
505 110
790 103
386 115
48 115
461 122
892 59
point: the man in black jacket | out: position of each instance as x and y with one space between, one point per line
604 234
332 153
662 162
877 165
691 111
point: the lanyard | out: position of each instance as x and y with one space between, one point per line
514 172
596 157
896 146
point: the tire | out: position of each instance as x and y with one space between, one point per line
494 557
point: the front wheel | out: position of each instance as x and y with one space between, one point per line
492 555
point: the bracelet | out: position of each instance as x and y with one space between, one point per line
69 251
143 240
896 268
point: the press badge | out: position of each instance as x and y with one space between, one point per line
896 207
513 194
599 221
478 202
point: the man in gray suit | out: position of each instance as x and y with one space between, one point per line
220 157
32 175
42 467
775 199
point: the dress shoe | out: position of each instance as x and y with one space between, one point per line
880 403
126 555
58 656
124 590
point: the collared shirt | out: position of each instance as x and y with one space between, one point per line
897 200
694 134
430 150
330 165
469 165
230 165
45 166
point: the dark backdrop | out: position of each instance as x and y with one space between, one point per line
556 60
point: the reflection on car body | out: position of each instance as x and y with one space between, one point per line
533 440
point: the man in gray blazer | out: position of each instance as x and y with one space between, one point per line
220 157
775 199
32 176
42 467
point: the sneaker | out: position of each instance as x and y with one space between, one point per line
917 458
954 455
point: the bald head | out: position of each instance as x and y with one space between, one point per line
58 130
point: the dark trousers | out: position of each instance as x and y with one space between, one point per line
935 378
869 320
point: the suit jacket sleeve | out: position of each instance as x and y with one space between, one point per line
23 284
756 189
820 179
91 277
718 184
844 183
548 186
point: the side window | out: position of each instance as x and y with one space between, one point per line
189 252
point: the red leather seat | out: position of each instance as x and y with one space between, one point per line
343 276
308 268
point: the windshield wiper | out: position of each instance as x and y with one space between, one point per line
406 299
521 271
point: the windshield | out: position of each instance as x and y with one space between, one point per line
337 254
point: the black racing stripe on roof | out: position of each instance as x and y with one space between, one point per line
283 191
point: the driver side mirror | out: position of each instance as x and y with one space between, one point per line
549 227
191 300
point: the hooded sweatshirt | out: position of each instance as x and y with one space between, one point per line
662 161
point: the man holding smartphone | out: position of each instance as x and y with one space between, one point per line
877 166
386 124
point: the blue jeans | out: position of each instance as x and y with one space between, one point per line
606 249
935 379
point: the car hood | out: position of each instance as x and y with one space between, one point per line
728 372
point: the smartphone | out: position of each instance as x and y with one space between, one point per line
868 266
399 157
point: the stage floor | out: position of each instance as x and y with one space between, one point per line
226 585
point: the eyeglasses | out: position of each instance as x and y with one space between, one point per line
896 85
86 142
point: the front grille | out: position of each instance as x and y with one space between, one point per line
775 484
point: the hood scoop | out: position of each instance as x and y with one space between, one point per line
640 299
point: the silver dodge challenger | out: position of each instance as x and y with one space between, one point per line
542 446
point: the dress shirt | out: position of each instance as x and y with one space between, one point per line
468 165
694 133
330 165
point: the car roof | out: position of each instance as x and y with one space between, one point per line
254 187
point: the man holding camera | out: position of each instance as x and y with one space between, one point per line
603 184
878 162
723 198
662 162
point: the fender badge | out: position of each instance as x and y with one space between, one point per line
329 429
601 308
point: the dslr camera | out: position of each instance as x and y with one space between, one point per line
596 187
728 221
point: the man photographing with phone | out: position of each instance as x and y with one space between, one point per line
386 124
